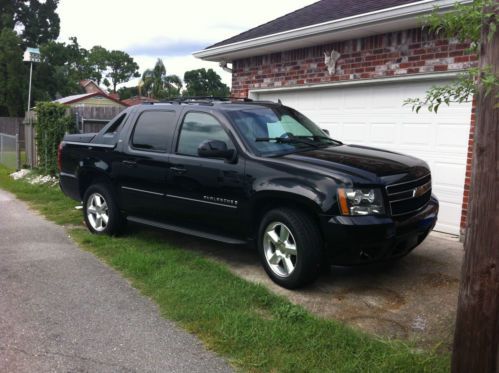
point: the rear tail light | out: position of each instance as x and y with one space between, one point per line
59 157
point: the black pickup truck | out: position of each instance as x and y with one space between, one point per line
238 172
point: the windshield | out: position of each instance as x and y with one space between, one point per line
277 130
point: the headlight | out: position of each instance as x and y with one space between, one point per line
355 201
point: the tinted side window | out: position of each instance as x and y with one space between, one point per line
154 130
198 127
116 126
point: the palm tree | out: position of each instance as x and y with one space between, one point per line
158 85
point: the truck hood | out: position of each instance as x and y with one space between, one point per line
363 162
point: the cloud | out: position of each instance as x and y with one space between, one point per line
162 47
163 29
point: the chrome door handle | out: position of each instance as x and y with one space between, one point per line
129 163
178 170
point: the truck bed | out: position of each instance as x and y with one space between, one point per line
80 137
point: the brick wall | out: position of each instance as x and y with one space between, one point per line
393 54
398 53
467 180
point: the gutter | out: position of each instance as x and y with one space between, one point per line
401 17
420 77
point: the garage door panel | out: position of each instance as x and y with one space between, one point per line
446 217
453 136
447 194
355 132
420 134
375 115
447 173
383 133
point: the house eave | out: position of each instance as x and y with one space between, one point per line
381 21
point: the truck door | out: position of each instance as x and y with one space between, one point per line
207 191
142 169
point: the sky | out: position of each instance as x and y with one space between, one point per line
171 30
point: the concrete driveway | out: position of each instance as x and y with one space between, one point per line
62 310
414 299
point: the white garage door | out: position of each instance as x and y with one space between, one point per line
374 115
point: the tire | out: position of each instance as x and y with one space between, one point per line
100 210
299 262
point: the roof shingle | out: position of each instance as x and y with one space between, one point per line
319 12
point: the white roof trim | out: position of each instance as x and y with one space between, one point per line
393 79
384 20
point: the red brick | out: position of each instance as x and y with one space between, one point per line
461 59
442 42
419 51
440 68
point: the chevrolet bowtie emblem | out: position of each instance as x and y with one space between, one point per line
420 190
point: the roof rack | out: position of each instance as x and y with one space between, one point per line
205 99
209 100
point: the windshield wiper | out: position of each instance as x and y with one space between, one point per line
319 137
289 140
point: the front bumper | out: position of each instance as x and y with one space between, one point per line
364 239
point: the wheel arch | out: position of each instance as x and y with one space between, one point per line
266 201
89 176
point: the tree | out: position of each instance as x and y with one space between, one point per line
8 10
157 84
25 23
37 20
128 92
122 68
202 82
476 338
97 63
464 23
11 73
61 69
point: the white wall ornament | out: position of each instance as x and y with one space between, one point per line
330 60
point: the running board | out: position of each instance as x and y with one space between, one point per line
191 232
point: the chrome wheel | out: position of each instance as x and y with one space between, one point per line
279 247
97 212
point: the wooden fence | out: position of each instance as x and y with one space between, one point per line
93 119
87 119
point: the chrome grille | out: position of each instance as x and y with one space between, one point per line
410 196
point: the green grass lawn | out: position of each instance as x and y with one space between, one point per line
254 329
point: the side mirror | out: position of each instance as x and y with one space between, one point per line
215 149
326 131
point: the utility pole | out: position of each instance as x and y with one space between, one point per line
476 339
29 89
31 55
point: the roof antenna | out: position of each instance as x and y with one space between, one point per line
279 101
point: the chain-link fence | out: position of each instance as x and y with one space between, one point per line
9 151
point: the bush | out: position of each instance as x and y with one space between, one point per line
52 123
